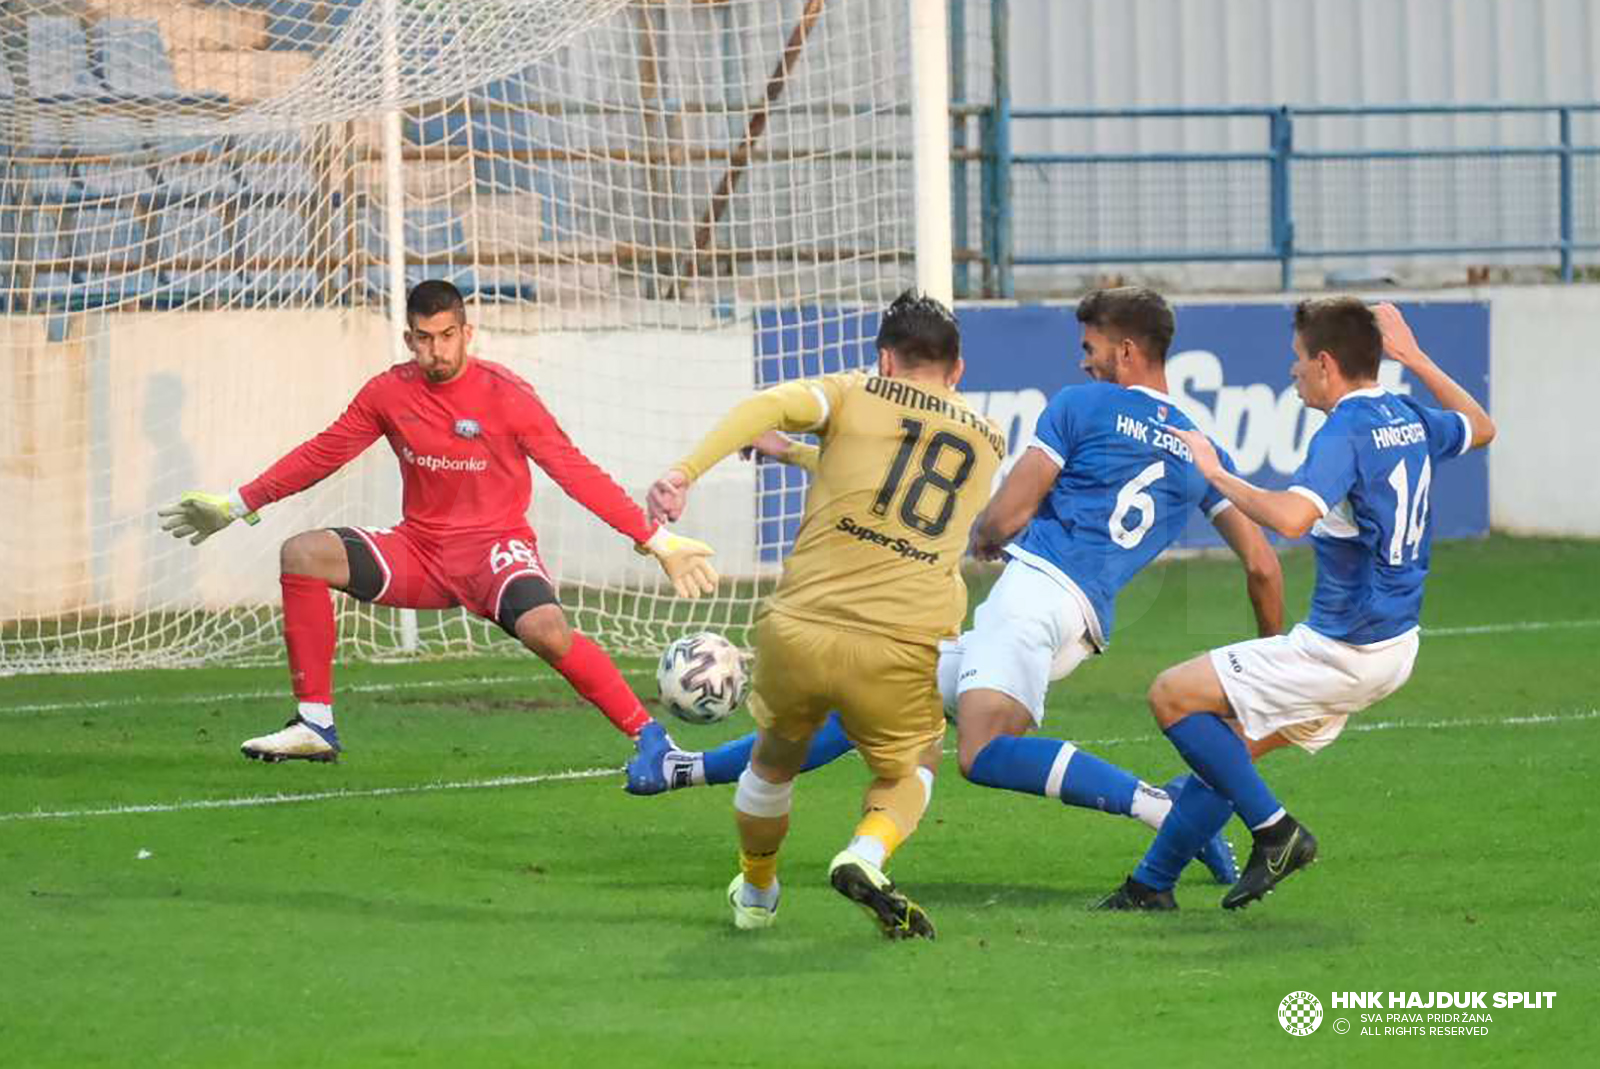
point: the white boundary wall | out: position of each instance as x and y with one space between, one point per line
1544 379
116 426
97 433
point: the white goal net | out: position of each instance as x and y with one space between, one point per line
652 206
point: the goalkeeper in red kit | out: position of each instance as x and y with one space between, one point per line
463 430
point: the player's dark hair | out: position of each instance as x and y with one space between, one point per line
1131 312
432 297
919 329
1345 328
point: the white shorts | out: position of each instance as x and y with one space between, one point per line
1028 633
1306 685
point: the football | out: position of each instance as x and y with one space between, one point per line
702 678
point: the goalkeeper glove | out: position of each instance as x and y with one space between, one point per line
685 560
203 515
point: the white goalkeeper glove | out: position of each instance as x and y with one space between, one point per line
685 560
203 515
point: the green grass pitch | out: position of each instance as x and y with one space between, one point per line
556 921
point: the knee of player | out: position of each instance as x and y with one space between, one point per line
545 631
1164 698
969 745
298 554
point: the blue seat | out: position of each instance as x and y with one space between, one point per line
305 25
58 60
131 59
267 234
42 173
41 244
202 173
438 232
116 237
53 238
279 179
193 251
125 176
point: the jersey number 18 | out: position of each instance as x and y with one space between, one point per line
928 478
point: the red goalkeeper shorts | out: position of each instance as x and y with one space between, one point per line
470 571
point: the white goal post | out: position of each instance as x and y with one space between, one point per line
653 206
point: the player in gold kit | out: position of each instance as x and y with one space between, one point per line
872 586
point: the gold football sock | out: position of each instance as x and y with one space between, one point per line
892 810
759 839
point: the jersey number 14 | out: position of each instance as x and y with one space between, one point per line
1410 511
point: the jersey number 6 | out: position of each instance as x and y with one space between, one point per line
1132 496
930 476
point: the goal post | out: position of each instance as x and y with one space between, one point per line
211 211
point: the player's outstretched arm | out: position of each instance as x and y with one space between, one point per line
1263 573
1290 514
1014 504
197 516
785 450
1401 344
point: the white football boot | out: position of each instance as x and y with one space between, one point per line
298 740
748 917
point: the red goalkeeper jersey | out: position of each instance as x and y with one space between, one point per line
463 447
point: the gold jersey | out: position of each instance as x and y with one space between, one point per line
903 470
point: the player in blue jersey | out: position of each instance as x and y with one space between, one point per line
1363 495
1104 487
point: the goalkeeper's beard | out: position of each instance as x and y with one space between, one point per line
438 371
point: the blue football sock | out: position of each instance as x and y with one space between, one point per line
1026 765
726 762
1214 751
1197 813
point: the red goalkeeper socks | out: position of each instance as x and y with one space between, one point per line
308 632
592 675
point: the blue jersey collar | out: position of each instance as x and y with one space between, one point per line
1157 394
1365 391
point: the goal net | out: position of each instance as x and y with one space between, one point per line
653 207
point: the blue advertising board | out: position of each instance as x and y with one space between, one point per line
1228 368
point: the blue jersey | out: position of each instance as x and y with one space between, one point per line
1368 469
1123 494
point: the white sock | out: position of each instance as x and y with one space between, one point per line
1151 805
1270 821
317 713
869 849
765 897
686 763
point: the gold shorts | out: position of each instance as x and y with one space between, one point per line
885 689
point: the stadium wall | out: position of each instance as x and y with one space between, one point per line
1544 379
101 425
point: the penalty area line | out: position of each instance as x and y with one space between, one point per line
260 800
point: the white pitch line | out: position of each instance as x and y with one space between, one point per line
488 681
254 801
283 694
1500 629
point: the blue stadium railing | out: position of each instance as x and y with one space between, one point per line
1552 174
